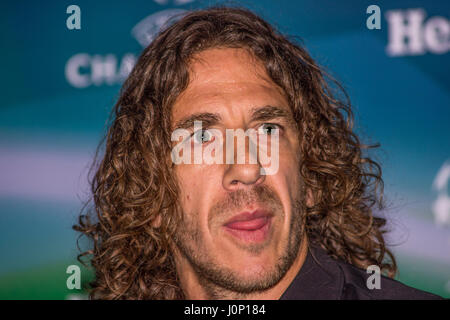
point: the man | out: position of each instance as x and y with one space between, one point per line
228 229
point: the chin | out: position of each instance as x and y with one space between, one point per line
257 278
255 269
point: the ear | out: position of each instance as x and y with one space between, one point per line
157 222
309 198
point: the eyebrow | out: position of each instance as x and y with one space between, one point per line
267 113
209 119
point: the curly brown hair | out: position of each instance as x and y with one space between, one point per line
133 183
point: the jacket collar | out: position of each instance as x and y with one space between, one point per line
320 277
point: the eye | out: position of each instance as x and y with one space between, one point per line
202 136
268 128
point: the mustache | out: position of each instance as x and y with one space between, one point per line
263 195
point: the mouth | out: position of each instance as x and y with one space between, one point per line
252 227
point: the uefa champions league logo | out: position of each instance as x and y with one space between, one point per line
145 31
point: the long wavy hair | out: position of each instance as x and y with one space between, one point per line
133 183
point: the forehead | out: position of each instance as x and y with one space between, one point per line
227 80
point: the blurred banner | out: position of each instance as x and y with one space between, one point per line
61 77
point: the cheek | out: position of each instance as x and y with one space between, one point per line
289 172
194 182
289 161
186 185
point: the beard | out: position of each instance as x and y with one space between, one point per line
219 280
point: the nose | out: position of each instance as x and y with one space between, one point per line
238 175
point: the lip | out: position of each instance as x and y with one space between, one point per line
250 226
247 216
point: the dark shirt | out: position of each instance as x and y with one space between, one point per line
324 278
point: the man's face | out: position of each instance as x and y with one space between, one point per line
241 229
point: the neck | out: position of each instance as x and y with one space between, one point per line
196 287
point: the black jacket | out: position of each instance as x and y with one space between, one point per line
322 277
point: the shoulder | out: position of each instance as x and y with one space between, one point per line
325 278
355 286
